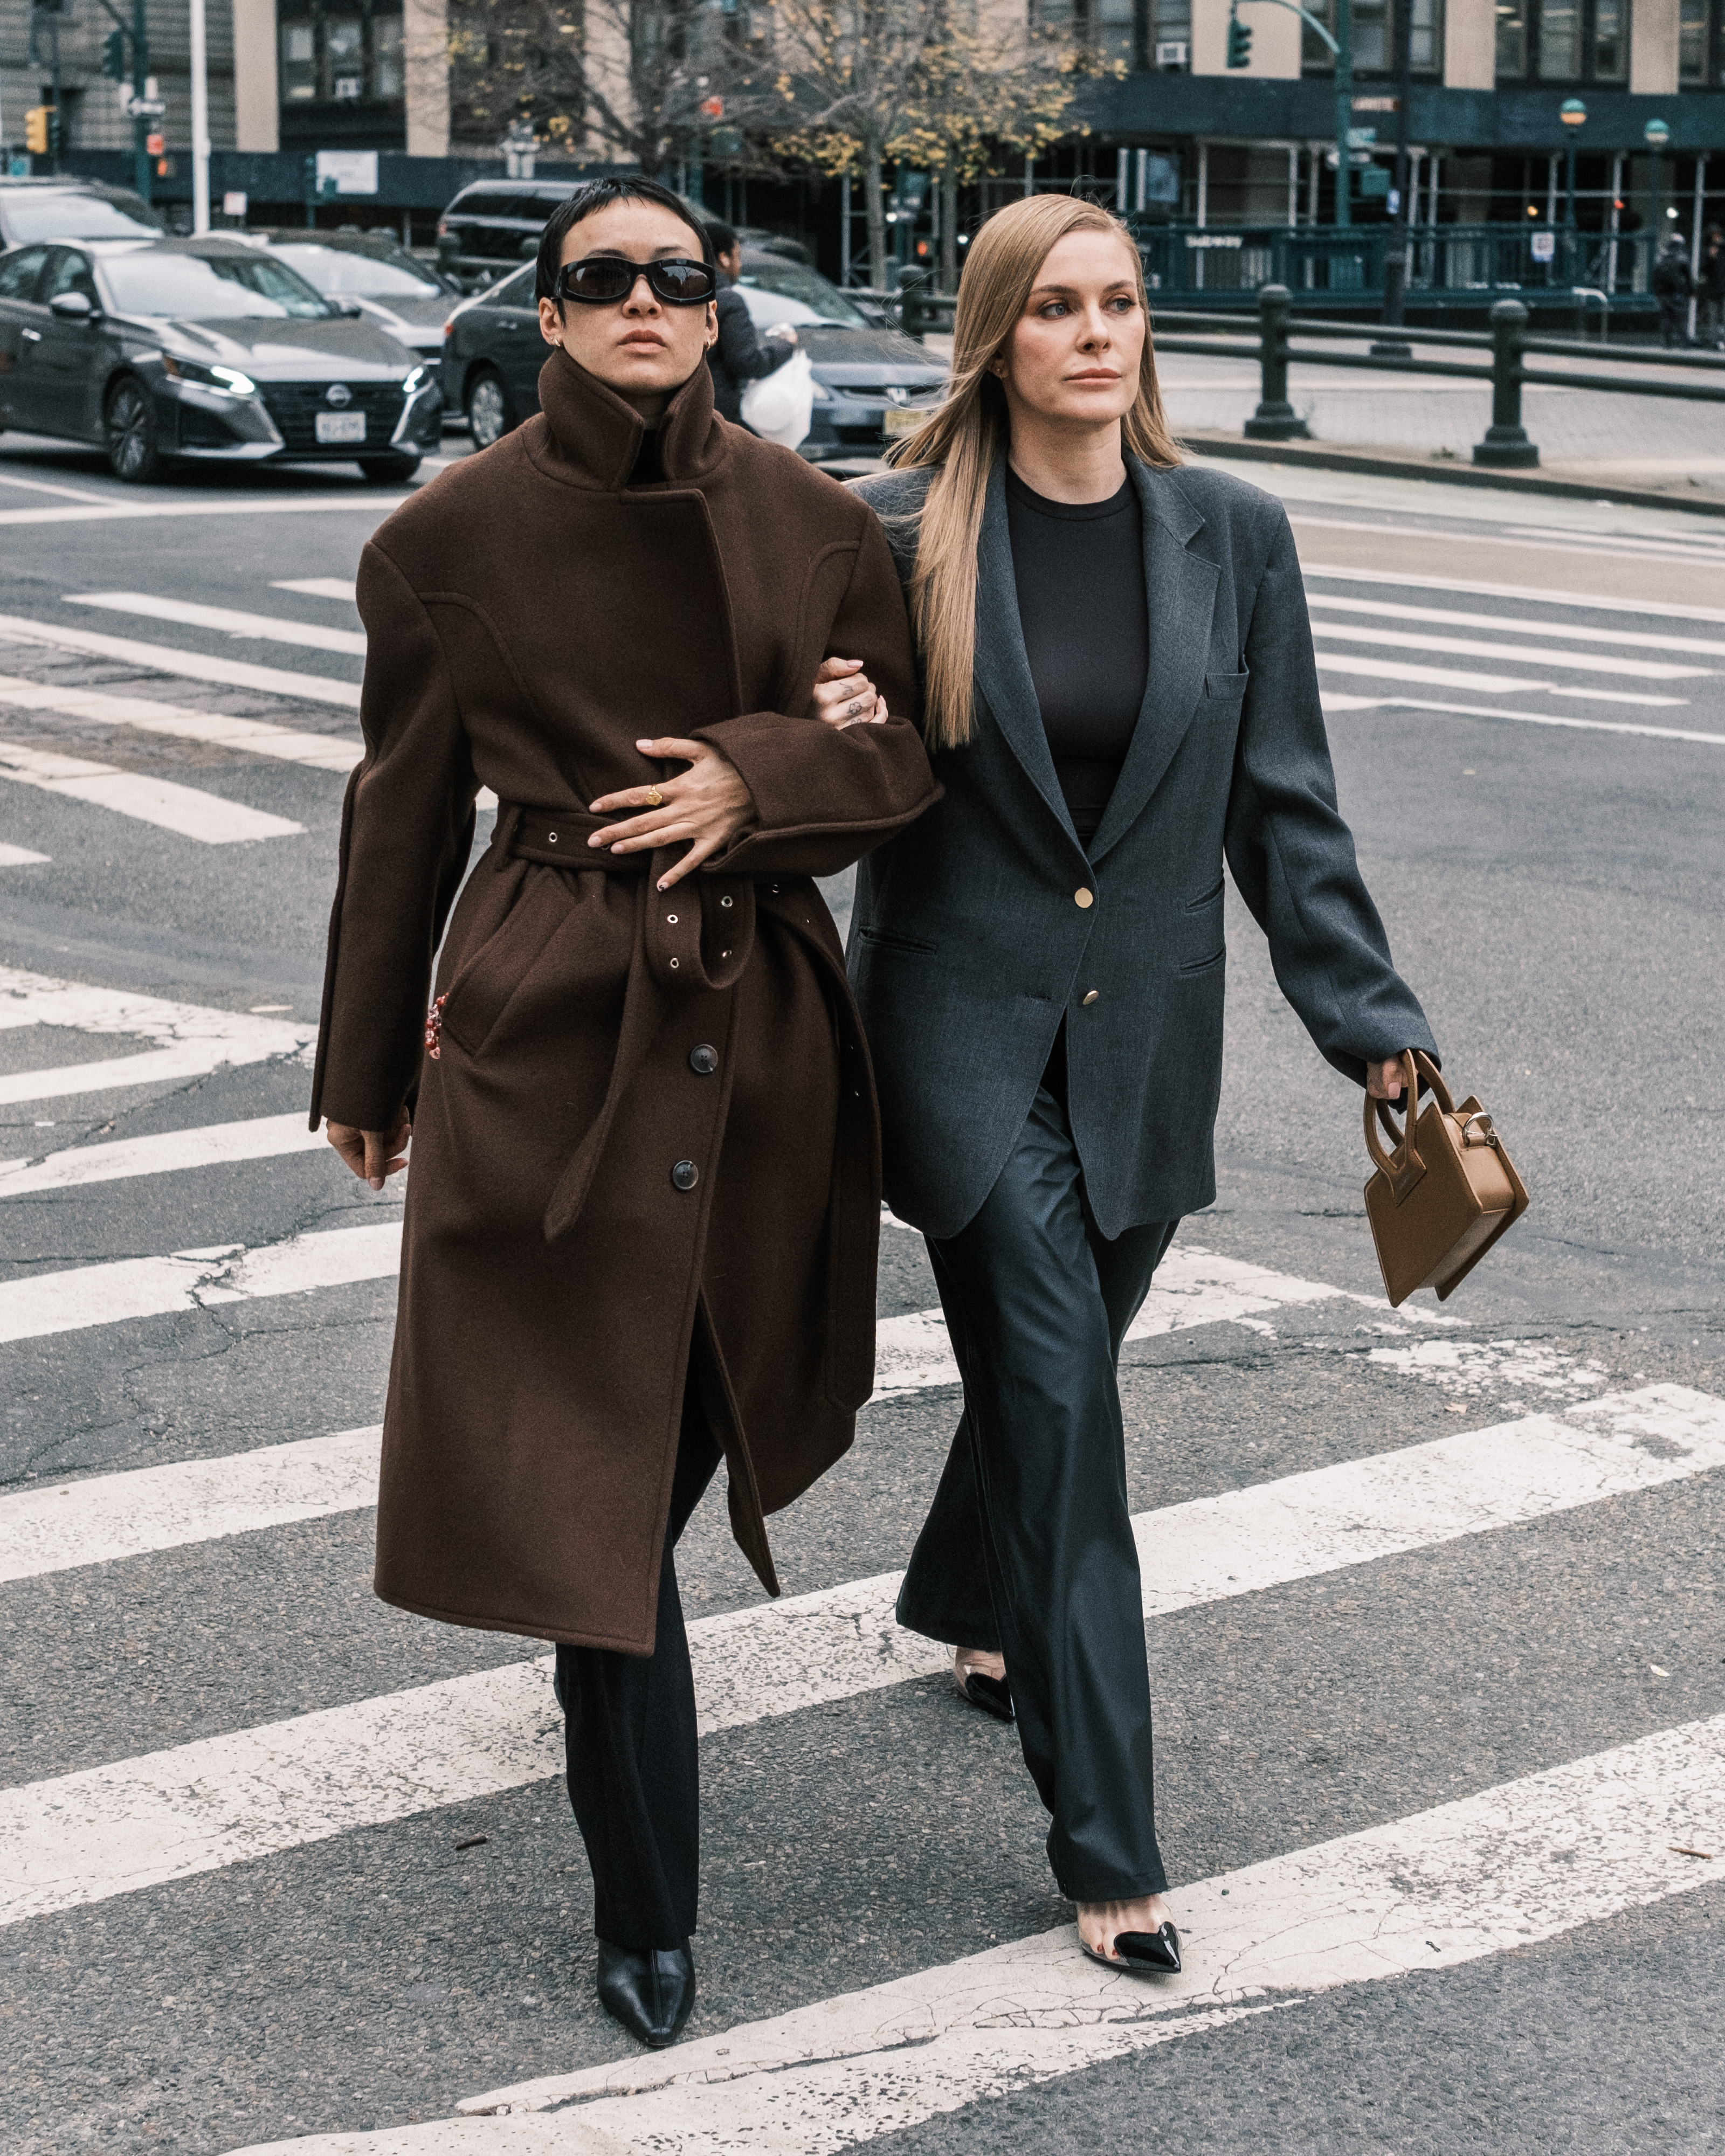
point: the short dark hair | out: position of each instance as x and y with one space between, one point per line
599 194
724 239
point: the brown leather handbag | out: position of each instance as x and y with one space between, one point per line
1446 1192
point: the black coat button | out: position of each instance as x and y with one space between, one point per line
686 1175
703 1061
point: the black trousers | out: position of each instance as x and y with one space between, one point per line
630 1741
1028 1549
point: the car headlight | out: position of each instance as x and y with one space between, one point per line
228 379
413 382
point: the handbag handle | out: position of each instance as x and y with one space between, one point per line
1404 1168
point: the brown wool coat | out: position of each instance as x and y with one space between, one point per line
530 616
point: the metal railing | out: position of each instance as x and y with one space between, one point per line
1506 441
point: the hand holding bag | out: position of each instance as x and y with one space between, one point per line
1446 1192
780 406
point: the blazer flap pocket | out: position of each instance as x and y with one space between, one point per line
1226 688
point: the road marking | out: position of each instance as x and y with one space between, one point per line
1524 718
110 1517
371 505
319 588
19 857
212 1145
1444 677
321 751
1473 647
184 809
1655 609
42 486
1672 549
170 1815
191 665
192 1038
1335 602
270 627
115 1293
1525 1860
1705 546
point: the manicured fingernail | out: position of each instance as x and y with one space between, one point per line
644 744
664 886
375 1181
596 838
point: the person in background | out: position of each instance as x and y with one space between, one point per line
1710 286
740 357
1673 288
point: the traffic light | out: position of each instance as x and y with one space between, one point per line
114 56
1240 41
36 130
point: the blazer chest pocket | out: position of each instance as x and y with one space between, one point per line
886 939
1225 688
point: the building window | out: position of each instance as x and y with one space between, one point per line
1559 40
1563 40
299 61
345 58
1375 22
1424 37
1610 40
1113 30
1694 37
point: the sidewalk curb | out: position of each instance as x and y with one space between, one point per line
1388 465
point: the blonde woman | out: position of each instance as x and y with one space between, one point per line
1120 693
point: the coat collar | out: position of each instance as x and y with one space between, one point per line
592 436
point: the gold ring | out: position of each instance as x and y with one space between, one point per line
655 799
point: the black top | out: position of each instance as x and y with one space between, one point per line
740 357
1079 568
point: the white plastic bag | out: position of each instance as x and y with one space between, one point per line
780 406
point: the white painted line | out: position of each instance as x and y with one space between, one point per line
110 1517
1515 655
1334 602
1525 1860
111 510
19 857
1443 677
1656 550
212 1145
1526 718
191 1038
318 587
1703 545
321 751
39 1304
182 809
172 1814
190 665
1655 609
267 628
41 486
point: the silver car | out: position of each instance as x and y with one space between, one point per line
373 273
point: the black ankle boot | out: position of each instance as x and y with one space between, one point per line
651 1993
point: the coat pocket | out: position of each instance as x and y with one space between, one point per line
885 939
1211 897
478 993
1204 965
1226 688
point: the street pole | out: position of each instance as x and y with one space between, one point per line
141 122
200 123
1344 108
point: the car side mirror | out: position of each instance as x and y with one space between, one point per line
72 307
351 311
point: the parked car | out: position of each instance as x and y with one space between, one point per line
492 224
203 349
869 382
374 273
72 209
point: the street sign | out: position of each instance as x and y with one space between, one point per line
1543 246
1361 138
353 171
234 202
145 108
155 146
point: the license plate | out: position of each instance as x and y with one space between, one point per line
903 419
337 427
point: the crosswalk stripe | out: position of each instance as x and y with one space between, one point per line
1524 718
220 1800
1651 551
268 628
191 665
192 1038
1443 677
210 1145
1336 603
1524 1861
319 588
129 1288
1408 579
110 1517
185 810
1516 654
322 752
19 857
111 509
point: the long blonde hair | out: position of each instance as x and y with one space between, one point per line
963 438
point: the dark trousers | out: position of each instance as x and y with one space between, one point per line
630 1741
1029 1548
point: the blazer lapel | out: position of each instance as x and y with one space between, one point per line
1002 667
1181 587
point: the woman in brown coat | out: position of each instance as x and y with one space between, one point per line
642 1221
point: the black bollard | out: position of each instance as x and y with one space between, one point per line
1395 288
1506 442
1274 420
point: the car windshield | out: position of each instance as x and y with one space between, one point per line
787 292
515 290
64 213
207 288
341 273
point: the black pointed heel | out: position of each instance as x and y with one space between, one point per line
651 1993
994 1695
1143 1953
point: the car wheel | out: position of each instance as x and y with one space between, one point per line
134 434
488 418
399 466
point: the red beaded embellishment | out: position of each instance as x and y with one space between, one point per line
433 1029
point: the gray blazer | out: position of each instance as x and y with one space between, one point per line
982 925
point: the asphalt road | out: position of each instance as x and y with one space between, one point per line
261 1879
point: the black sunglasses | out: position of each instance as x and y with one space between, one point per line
601 280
